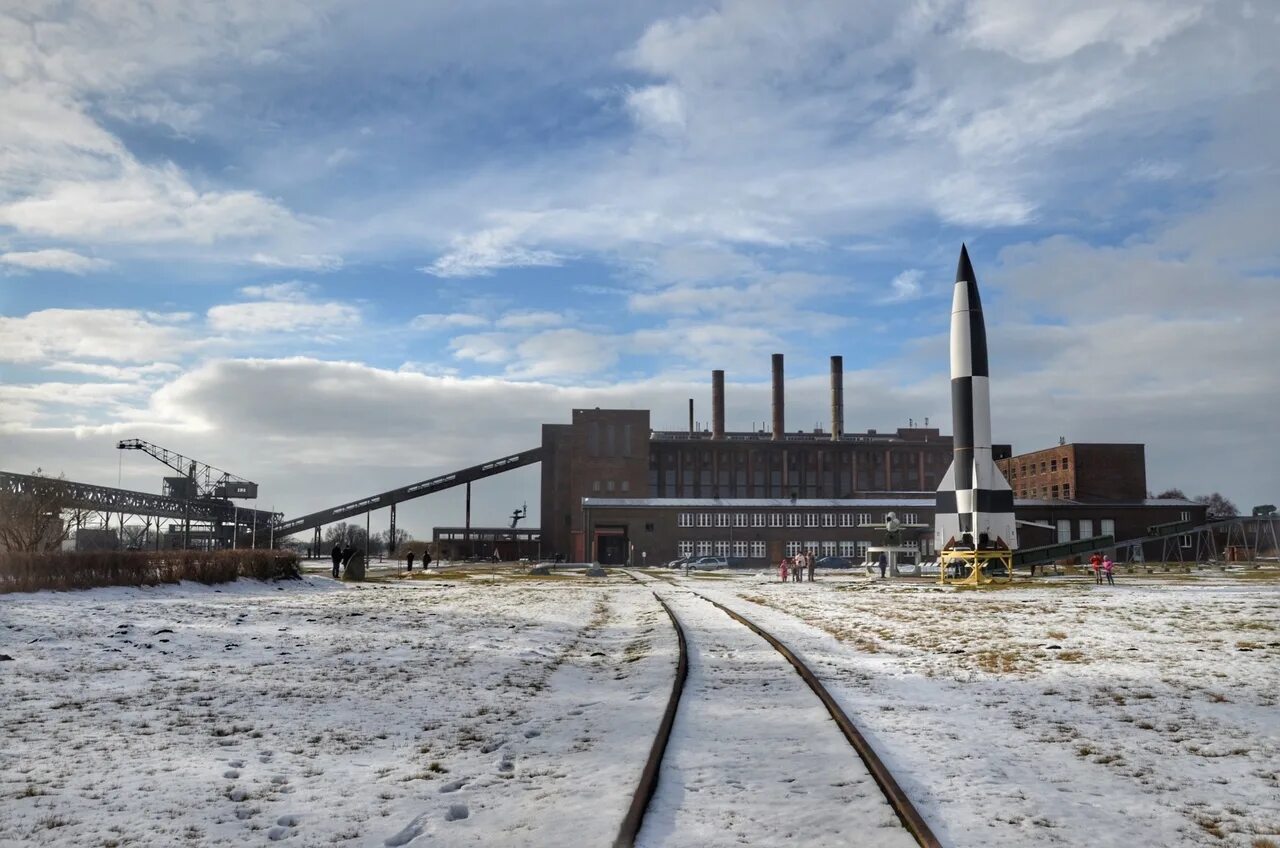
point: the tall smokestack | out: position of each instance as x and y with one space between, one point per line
837 398
690 416
779 404
717 404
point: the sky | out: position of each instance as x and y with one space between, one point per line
338 248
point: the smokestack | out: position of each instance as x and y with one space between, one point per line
779 405
837 398
690 416
717 404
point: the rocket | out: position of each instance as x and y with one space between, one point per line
974 501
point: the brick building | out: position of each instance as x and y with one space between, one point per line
1079 472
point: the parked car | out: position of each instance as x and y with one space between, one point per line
678 562
833 562
708 563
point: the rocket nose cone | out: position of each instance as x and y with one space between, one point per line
964 270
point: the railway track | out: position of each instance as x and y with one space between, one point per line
747 754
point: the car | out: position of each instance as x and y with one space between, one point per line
678 562
833 562
708 563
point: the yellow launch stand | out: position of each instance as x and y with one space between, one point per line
976 561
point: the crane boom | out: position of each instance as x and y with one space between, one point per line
206 481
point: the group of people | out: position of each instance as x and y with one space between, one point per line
342 555
426 560
1103 567
793 568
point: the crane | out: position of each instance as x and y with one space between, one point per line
199 480
517 514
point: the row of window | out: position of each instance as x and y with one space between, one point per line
1016 471
1052 492
610 486
856 551
1106 527
780 519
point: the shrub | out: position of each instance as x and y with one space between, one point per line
22 571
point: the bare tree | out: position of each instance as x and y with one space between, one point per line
1217 506
32 520
1172 493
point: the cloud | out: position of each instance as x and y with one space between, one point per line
482 253
117 335
290 290
529 319
564 353
53 259
301 261
130 373
435 320
657 107
490 348
904 287
282 316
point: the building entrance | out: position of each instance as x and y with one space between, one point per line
611 545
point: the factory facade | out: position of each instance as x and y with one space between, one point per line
615 490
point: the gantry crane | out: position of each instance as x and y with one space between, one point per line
199 481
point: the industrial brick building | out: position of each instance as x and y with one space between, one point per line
1080 471
615 490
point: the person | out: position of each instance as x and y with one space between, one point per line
884 564
1108 567
410 560
337 559
810 563
797 572
347 553
782 569
1095 562
426 560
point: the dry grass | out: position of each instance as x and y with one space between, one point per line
65 570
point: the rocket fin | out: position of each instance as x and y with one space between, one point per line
946 518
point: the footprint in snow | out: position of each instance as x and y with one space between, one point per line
277 833
243 813
411 832
236 764
529 734
289 820
490 747
456 811
454 785
231 774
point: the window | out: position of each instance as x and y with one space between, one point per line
792 548
722 519
625 485
740 549
1053 465
1086 528
1064 530
722 549
740 520
704 519
793 519
1024 471
1065 466
595 485
608 486
813 546
1186 516
775 519
909 518
848 549
685 549
1055 491
828 519
847 519
864 518
811 519
757 550
1107 527
704 549
1066 490
1022 494
828 549
1042 466
1185 540
757 519
861 548
685 519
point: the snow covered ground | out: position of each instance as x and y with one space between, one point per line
490 708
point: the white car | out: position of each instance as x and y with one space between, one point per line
708 563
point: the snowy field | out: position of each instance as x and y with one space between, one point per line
487 708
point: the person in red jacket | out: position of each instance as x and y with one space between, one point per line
782 569
1095 562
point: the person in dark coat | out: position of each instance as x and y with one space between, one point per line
884 564
410 559
337 559
426 560
347 553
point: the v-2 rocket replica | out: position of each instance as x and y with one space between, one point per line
975 504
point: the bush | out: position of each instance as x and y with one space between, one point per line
22 571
